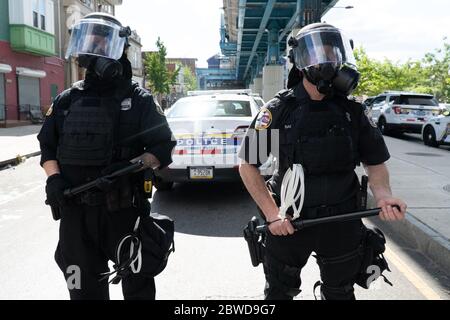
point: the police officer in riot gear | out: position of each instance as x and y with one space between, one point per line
328 135
95 128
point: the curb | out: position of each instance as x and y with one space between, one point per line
19 159
420 237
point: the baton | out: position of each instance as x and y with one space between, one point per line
70 193
302 224
123 172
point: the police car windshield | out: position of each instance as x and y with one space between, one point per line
210 109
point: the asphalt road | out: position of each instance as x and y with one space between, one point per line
211 259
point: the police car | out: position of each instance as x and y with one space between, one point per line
397 112
436 131
209 127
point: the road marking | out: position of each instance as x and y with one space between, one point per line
418 282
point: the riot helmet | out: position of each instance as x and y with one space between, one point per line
98 41
325 57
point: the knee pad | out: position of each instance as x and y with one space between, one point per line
281 278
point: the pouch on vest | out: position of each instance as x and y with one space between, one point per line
88 132
324 144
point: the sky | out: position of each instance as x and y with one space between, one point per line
188 28
395 29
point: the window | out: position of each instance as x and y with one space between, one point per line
210 109
418 101
35 19
106 8
88 3
42 22
36 13
378 101
39 13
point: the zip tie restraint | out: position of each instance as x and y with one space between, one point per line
293 190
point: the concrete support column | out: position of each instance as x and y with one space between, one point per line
273 50
272 81
258 84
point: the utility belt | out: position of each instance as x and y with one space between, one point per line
124 193
330 211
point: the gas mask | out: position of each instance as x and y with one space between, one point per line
325 57
106 69
331 79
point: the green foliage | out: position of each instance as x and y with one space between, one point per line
430 75
189 79
159 77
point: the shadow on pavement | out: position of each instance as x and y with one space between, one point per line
210 210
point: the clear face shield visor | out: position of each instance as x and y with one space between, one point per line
321 46
97 37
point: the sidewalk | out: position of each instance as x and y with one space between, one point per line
420 175
18 141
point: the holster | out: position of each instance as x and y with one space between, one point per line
255 242
373 261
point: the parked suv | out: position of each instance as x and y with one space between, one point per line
398 112
437 130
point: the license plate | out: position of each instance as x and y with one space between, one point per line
201 173
420 113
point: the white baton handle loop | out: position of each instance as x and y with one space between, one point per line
136 269
293 190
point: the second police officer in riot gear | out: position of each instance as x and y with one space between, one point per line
95 128
321 131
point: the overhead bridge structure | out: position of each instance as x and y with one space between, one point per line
255 32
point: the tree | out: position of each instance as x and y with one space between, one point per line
159 77
190 80
437 72
430 75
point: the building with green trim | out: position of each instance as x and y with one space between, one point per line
31 73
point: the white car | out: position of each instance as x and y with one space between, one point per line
209 128
436 131
398 112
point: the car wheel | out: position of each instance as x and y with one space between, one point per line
162 185
382 125
429 137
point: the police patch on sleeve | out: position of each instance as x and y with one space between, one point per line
49 111
368 114
264 120
158 107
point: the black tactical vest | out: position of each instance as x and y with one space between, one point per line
91 129
321 137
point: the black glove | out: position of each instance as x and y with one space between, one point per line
55 188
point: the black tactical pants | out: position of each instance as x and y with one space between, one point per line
88 239
286 256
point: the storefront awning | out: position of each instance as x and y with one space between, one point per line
5 68
25 72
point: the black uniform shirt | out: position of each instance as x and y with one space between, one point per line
321 190
144 118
